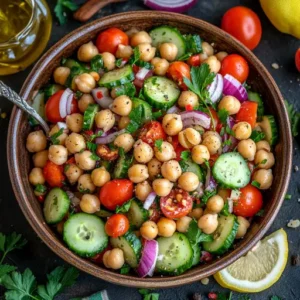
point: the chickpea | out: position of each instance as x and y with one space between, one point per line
264 178
147 52
36 176
221 55
95 75
162 187
40 159
171 170
85 101
138 173
109 61
188 181
60 227
122 106
58 154
75 143
182 224
125 141
36 141
244 224
160 65
188 98
168 51
166 227
224 194
207 48
200 154
165 153
202 57
242 130
247 149
172 124
215 204
85 83
208 223
131 32
89 203
74 122
100 176
123 122
87 51
149 230
189 138
142 190
73 173
213 63
84 160
154 168
62 137
61 75
263 145
105 119
140 38
264 159
196 213
114 259
143 152
124 51
213 141
231 104
85 184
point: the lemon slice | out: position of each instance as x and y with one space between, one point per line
260 268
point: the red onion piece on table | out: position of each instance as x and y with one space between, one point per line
234 88
103 140
195 117
149 200
178 6
216 88
63 103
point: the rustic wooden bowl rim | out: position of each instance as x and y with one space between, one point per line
56 245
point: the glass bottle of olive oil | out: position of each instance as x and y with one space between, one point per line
25 27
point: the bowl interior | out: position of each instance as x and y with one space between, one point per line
259 79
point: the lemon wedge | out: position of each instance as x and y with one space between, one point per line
260 268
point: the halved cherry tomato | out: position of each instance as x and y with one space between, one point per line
52 107
151 132
98 258
248 113
117 225
218 125
177 204
116 192
213 159
297 59
110 39
194 60
244 24
177 147
236 66
177 71
249 203
53 174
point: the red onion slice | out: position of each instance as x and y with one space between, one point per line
210 183
216 88
63 103
69 104
178 6
173 110
148 259
195 117
234 88
62 125
149 200
142 73
103 140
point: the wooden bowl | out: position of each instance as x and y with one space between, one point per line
260 79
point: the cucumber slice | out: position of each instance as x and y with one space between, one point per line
223 236
38 104
89 116
231 170
117 77
147 108
269 127
160 92
122 166
103 213
175 254
70 63
168 34
137 215
252 96
189 166
56 206
51 89
85 234
131 246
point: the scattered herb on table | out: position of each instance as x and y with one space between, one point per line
294 117
148 295
62 8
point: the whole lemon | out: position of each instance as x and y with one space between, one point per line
284 15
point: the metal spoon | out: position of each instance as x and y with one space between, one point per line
12 96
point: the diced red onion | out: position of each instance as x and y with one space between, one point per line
234 88
173 110
74 200
69 104
149 200
199 189
178 6
63 103
226 136
148 260
216 88
140 77
103 140
195 117
102 97
210 183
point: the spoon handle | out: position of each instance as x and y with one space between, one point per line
11 95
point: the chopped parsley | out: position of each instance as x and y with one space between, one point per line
288 197
124 208
135 56
97 63
255 183
257 136
54 137
185 155
94 156
119 62
136 117
62 8
294 117
223 114
127 89
158 144
260 213
40 188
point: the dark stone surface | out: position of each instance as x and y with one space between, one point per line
274 47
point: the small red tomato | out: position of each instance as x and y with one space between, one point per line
151 132
53 174
177 71
117 225
248 113
41 199
110 39
236 66
177 147
297 59
189 107
249 203
194 60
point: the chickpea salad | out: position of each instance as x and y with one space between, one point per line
158 154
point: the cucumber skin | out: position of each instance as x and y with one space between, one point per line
189 166
129 77
274 130
89 116
103 213
145 214
121 167
255 97
147 108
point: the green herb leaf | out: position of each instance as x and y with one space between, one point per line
91 146
227 143
152 296
157 114
62 8
127 89
119 62
195 235
121 152
144 291
294 117
263 161
257 136
135 57
288 197
223 115
40 188
124 208
54 137
193 43
275 298
93 136
125 269
185 155
260 213
136 117
144 64
5 269
224 296
185 56
158 144
97 63
11 242
255 183
207 195
95 157
225 209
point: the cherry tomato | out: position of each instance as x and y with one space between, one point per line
248 113
52 107
116 192
117 225
177 71
151 132
41 199
213 159
110 39
177 147
244 24
249 203
218 125
177 204
98 258
189 107
297 59
236 66
194 60
53 174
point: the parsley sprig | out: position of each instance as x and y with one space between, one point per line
294 117
62 8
